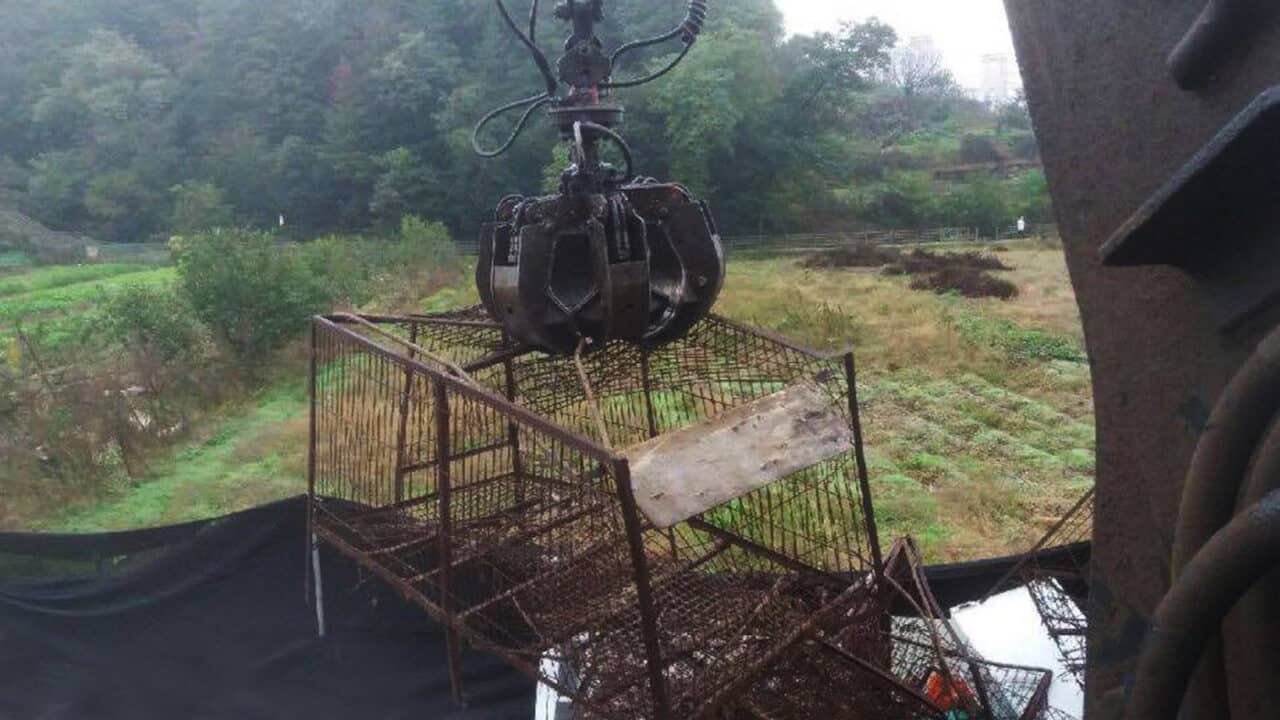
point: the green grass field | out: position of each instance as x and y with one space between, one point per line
57 304
250 455
60 276
978 412
61 300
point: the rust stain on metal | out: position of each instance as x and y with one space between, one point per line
688 472
488 498
1113 127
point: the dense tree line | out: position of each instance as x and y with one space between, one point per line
130 119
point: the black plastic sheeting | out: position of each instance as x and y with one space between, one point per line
208 620
967 582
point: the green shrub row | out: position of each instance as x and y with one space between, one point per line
253 294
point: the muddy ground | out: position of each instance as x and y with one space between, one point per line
969 273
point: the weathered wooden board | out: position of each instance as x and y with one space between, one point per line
687 472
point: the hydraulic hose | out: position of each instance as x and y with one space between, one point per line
636 82
1232 562
1217 32
688 30
533 104
1227 446
1254 664
579 130
1218 469
539 58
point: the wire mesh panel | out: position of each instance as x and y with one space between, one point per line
826 680
1056 575
417 473
816 516
897 657
492 486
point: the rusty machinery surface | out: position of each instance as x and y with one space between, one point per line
470 474
1157 122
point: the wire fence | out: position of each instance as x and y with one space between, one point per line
70 247
23 233
804 243
785 244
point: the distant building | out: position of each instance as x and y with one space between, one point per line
917 65
924 45
999 79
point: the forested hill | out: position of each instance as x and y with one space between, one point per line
129 119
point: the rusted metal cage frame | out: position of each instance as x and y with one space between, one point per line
913 635
446 378
1066 621
905 557
441 380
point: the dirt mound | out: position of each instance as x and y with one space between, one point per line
969 282
918 262
968 273
860 255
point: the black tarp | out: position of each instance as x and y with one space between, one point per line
208 620
967 582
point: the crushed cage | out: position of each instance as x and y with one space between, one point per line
499 489
1055 573
901 658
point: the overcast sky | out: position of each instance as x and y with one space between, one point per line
964 30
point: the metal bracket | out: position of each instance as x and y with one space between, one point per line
1218 218
1222 27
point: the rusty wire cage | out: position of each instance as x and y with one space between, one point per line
1060 590
483 481
1055 573
898 658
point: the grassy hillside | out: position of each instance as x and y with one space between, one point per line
60 276
978 412
56 305
60 300
246 455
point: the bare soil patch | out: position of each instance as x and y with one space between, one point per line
969 273
860 255
968 282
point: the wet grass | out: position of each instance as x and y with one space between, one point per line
58 305
251 455
61 299
61 275
978 412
